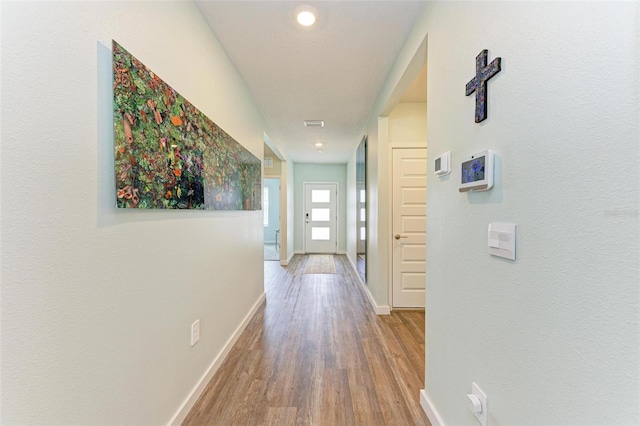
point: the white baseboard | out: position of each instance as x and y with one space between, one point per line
378 309
286 262
430 410
189 402
303 252
353 265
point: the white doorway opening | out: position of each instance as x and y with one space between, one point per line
271 218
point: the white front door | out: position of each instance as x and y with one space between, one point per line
409 227
320 217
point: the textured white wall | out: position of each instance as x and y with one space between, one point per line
408 124
552 338
377 260
288 172
405 126
97 303
408 65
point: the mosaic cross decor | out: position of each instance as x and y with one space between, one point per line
168 154
478 83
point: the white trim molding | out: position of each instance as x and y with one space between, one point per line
378 309
193 396
290 258
430 409
287 260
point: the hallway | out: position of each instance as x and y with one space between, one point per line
315 353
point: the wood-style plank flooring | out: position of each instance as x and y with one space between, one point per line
316 354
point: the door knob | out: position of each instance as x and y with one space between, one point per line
398 236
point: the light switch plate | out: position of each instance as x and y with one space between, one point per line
501 239
195 332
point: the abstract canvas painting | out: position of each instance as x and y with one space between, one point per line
168 154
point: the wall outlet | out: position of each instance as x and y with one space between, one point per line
195 332
478 404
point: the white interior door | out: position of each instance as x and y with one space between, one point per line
320 217
409 227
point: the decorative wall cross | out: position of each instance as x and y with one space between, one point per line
478 83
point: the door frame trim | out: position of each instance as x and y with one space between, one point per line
304 202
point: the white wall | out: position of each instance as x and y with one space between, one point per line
320 173
552 338
408 124
404 126
97 303
288 180
377 253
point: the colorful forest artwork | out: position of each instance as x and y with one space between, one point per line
168 154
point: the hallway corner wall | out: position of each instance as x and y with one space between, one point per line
558 327
288 205
97 303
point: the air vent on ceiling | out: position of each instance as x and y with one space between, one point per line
313 123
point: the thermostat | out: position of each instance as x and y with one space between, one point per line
443 164
476 172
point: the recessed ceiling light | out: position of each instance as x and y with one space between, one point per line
319 144
306 18
306 15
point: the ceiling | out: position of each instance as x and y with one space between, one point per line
332 71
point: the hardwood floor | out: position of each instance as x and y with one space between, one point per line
316 354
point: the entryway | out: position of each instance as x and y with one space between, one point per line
320 217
